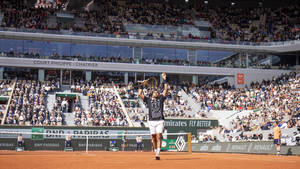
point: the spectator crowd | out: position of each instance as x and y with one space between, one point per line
226 24
104 108
28 105
269 101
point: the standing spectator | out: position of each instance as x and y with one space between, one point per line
20 140
64 105
277 137
68 140
124 140
139 143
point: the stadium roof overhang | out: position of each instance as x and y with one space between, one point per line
276 48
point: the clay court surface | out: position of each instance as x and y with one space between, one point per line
141 160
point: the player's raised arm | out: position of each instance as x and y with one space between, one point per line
165 84
140 92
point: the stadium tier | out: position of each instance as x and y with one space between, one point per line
132 18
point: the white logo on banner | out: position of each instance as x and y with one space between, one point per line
163 144
180 143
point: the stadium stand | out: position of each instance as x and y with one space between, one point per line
279 100
261 97
244 113
175 105
103 105
229 24
135 107
276 100
28 105
227 98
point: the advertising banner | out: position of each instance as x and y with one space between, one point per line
77 133
169 145
254 147
189 125
240 78
37 136
99 138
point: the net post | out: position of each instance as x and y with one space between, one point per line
87 144
190 143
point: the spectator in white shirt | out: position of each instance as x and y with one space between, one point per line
139 143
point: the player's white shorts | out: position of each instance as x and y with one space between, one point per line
156 126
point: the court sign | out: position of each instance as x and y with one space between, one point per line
173 144
169 145
189 125
37 136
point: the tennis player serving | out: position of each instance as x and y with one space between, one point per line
156 121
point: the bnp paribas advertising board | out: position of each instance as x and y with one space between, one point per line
99 138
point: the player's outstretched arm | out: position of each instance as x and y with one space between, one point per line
164 76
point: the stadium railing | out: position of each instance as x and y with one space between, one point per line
217 41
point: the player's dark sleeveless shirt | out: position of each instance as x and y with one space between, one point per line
156 107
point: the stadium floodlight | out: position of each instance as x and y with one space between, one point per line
206 2
186 0
232 3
